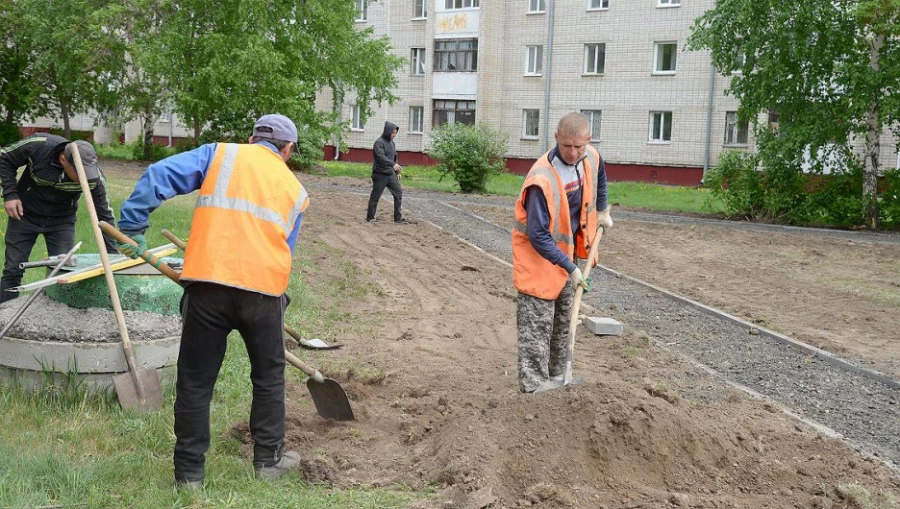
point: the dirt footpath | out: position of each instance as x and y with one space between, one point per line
430 363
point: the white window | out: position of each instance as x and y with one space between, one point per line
665 57
660 126
459 55
536 6
531 120
420 9
356 113
669 3
593 117
362 10
416 119
417 61
594 5
460 4
594 58
534 60
735 129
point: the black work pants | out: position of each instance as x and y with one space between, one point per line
379 182
209 313
21 235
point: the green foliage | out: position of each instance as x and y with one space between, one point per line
9 133
74 134
150 152
889 205
468 154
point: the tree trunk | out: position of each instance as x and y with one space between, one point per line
148 119
64 112
873 145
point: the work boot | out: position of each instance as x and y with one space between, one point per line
403 220
289 461
373 220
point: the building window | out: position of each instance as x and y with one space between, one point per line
735 129
531 120
536 6
356 114
594 58
417 61
362 10
669 3
416 119
451 112
534 60
459 55
774 119
460 4
666 54
660 126
595 5
593 117
420 9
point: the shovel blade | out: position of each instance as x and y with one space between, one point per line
556 384
147 399
317 344
330 399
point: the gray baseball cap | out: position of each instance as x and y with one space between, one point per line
277 127
88 157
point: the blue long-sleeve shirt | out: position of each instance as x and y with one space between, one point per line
538 215
176 175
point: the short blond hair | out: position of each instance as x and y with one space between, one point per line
573 124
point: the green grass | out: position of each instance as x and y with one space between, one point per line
62 445
623 194
126 152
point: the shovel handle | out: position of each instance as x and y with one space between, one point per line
147 256
579 292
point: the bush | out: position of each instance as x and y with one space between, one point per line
9 133
151 153
889 201
738 183
75 134
469 154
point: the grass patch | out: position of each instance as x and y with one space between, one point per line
625 194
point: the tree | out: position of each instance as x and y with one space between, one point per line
829 68
18 92
469 154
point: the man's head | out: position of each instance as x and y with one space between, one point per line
394 132
277 130
573 134
88 160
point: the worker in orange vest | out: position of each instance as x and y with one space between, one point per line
236 267
562 201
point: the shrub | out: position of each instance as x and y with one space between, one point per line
738 183
468 154
889 201
75 134
9 133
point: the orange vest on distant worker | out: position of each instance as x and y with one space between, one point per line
532 273
248 204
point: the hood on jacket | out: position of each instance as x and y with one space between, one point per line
389 127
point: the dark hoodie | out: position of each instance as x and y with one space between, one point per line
384 151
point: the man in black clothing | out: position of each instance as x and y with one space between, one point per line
386 173
45 199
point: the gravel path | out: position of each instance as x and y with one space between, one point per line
864 410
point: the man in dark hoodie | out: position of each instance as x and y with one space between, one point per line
386 173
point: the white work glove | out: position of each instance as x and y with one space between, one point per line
604 218
577 279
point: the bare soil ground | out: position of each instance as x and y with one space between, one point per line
444 411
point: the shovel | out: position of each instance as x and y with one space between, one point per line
573 323
139 388
329 397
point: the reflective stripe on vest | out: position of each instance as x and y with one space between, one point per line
220 199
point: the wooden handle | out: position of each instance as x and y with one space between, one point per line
107 270
576 306
147 256
174 239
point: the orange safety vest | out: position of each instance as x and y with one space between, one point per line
249 202
532 273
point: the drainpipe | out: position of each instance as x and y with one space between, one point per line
709 111
551 8
338 106
171 128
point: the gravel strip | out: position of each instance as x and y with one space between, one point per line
864 411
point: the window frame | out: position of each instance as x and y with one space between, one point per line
416 61
357 123
604 5
657 48
420 9
362 11
538 62
541 4
450 5
437 115
454 54
668 3
421 115
602 63
593 115
662 127
536 122
734 127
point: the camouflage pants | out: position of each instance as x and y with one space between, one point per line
543 331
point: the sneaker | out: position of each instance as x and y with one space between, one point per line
402 220
373 220
289 461
189 485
